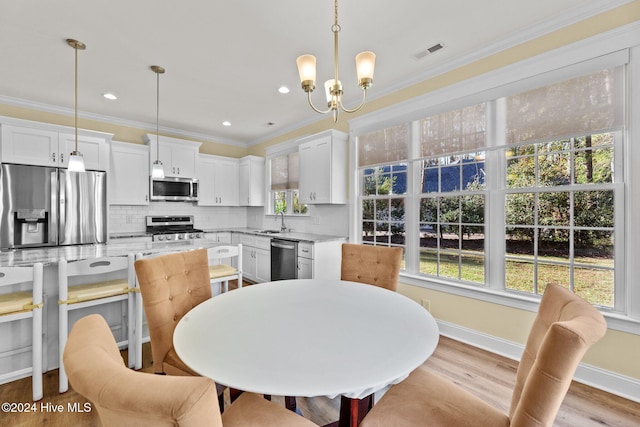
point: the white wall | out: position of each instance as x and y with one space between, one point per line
322 219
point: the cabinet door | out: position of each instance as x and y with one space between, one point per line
322 171
183 162
29 146
129 176
206 176
305 268
226 182
244 180
95 151
249 262
263 265
315 171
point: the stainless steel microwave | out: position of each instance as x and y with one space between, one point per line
174 189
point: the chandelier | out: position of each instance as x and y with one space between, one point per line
365 63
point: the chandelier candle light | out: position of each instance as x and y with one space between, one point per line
157 170
76 162
365 63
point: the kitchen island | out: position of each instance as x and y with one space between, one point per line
51 255
15 347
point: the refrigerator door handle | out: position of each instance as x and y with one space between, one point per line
53 219
62 209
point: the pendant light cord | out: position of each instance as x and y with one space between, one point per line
75 119
157 116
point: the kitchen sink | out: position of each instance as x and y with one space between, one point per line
268 231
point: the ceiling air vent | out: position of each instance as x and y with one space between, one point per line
421 54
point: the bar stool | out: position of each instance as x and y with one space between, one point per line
220 268
94 291
20 305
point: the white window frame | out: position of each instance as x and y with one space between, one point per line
282 149
599 52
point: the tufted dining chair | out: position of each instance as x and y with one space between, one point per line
374 265
170 286
124 397
564 328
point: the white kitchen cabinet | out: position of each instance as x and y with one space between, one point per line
179 157
319 260
49 145
251 181
129 174
323 168
220 237
256 257
305 260
218 177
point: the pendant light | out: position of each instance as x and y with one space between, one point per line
157 169
76 162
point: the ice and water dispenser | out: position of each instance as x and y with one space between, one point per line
31 227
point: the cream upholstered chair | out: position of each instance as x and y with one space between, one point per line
90 282
17 305
221 269
565 327
374 265
124 397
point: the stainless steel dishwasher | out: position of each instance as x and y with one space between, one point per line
284 259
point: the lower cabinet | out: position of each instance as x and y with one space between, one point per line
256 257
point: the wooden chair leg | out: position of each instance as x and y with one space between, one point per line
290 403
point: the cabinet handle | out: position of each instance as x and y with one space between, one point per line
53 157
146 198
173 171
178 171
61 157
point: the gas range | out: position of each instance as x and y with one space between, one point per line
169 228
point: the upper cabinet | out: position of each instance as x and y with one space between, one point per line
129 177
50 145
218 177
179 157
323 168
252 181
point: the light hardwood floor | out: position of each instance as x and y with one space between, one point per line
485 374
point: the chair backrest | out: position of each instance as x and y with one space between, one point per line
564 328
124 397
218 253
171 285
375 265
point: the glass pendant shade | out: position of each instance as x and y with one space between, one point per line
76 162
157 170
365 64
307 71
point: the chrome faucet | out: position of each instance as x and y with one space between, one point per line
283 227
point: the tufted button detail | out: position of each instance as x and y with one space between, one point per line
175 317
166 277
375 279
186 272
358 276
170 297
189 291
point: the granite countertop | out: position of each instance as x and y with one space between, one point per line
287 235
50 255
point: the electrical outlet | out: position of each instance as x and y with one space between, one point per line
426 304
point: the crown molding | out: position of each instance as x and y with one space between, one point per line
147 127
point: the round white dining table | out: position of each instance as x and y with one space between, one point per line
307 338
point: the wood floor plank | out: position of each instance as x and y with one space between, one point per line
489 376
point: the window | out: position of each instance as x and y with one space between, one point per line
285 174
384 186
533 178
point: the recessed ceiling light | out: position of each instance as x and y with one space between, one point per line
226 123
283 89
110 96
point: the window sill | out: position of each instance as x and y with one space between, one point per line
615 321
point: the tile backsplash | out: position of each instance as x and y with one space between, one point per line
322 219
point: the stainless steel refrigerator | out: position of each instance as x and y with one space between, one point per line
44 206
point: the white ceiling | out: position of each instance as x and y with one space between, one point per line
226 60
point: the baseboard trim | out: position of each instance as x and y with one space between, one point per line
620 385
